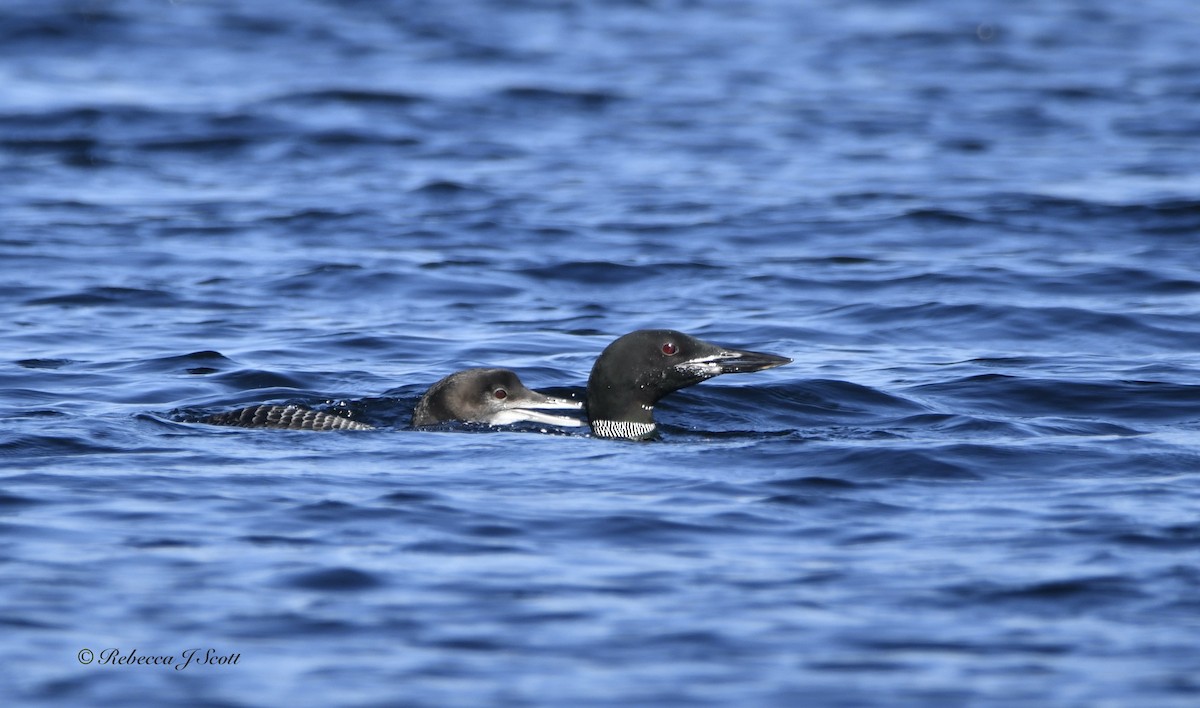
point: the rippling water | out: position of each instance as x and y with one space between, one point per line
974 226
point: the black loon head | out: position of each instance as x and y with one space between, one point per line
638 369
494 396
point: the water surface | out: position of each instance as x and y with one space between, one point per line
973 226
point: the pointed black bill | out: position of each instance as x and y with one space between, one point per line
738 361
709 360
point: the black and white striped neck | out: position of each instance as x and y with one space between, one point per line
623 429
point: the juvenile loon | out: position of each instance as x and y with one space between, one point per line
493 396
641 367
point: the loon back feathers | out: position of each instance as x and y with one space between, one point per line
285 417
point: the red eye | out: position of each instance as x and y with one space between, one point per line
500 393
669 348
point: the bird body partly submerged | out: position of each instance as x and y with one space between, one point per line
492 396
629 377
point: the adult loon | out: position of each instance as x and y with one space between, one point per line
493 396
641 367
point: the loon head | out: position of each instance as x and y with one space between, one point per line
638 369
493 396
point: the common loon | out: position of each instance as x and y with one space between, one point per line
630 376
641 367
493 396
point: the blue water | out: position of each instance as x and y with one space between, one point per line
975 227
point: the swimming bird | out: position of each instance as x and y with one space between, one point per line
492 396
638 369
632 374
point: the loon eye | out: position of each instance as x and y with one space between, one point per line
669 348
500 394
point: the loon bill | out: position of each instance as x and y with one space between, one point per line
492 396
638 369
